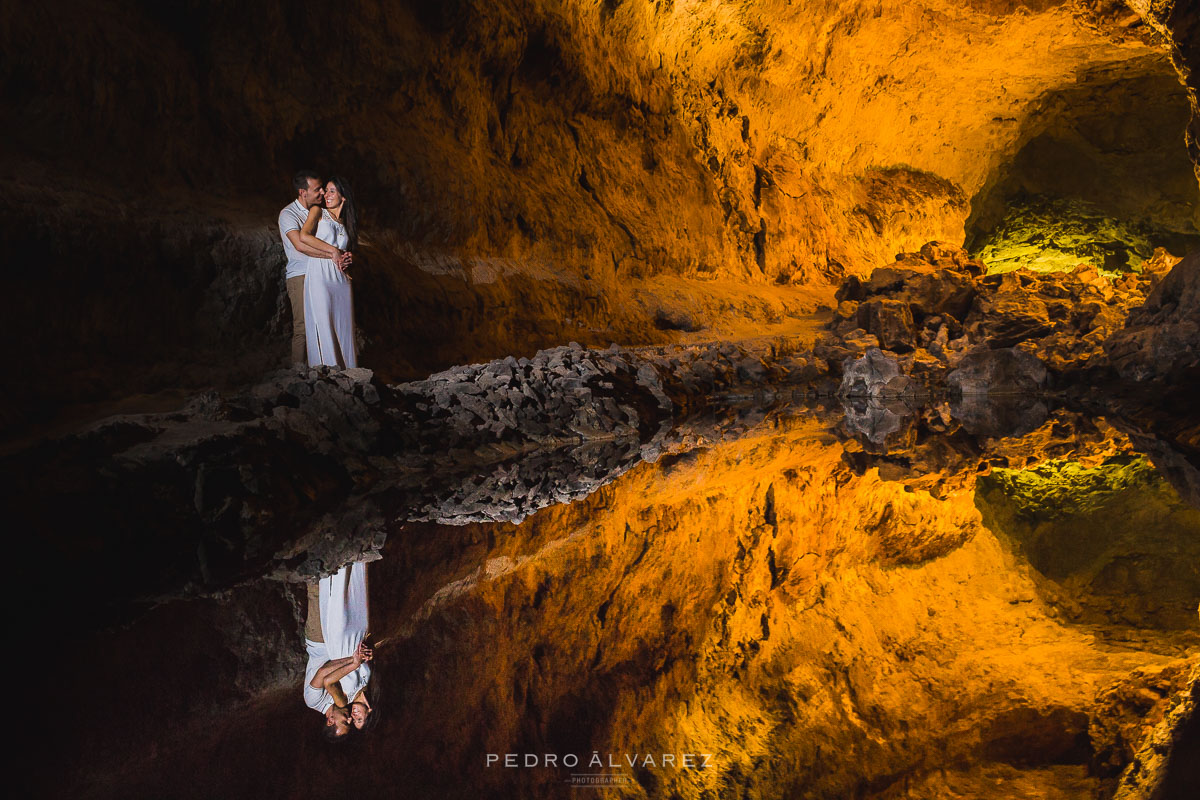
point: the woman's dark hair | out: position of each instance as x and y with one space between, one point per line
349 211
372 692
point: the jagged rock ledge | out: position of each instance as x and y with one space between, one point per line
311 468
1165 764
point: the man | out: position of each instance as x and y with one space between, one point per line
310 191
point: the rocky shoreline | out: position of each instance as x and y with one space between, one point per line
311 468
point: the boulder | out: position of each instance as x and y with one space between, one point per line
860 339
891 321
886 279
899 386
868 375
942 292
1006 371
1009 314
1161 340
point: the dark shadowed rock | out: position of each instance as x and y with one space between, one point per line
1161 340
943 292
1006 415
1009 314
1007 371
891 321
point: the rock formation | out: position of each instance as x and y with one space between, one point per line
939 313
1159 341
537 171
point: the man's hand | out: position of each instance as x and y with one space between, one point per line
345 260
363 653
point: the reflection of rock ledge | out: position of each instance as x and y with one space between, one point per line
1166 765
311 469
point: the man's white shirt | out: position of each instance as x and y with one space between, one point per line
292 218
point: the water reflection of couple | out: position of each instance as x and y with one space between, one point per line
320 231
337 680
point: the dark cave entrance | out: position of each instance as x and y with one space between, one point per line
1101 176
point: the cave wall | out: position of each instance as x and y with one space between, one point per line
1179 26
1114 143
532 172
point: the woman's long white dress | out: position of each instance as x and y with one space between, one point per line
329 304
344 615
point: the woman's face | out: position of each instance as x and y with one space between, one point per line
359 713
333 198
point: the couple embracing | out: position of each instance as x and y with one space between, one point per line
320 231
338 678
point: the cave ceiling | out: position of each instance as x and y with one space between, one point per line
588 171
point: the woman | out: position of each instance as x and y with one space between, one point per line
363 715
337 659
328 303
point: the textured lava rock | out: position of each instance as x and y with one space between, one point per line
1060 318
891 321
1009 313
868 376
1161 339
1055 235
1165 763
997 372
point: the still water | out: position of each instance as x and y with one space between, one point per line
809 601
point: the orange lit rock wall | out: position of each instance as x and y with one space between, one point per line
533 172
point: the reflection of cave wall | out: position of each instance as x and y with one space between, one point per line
154 686
743 601
1114 543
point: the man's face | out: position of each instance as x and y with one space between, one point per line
314 195
338 718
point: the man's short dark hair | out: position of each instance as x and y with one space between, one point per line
300 179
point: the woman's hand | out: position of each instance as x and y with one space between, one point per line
363 653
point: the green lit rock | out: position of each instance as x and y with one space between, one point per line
1114 542
1055 235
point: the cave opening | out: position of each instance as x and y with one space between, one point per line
1100 175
